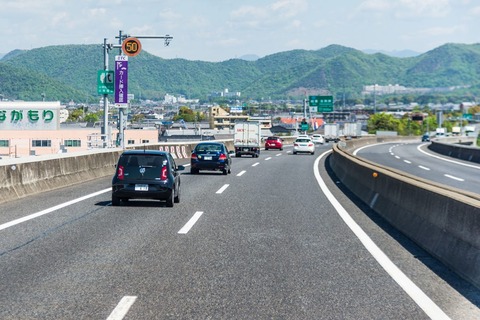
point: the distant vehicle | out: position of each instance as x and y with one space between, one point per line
246 139
303 136
426 138
274 142
212 156
303 145
331 132
440 132
318 138
352 129
146 174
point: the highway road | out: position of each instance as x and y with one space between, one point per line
418 160
279 238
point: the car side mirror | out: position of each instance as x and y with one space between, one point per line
180 168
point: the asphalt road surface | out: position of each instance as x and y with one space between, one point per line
418 160
268 241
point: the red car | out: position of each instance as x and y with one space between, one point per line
274 143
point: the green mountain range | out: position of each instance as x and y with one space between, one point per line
69 72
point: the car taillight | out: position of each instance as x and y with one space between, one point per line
310 144
222 157
120 173
194 156
163 174
295 144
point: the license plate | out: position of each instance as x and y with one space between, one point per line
208 158
141 187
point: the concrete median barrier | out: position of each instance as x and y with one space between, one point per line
443 221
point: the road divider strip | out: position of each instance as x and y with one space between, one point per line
122 308
190 223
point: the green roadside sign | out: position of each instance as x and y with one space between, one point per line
304 126
105 83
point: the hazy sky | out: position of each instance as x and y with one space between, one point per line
217 30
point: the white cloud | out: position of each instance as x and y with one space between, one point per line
407 8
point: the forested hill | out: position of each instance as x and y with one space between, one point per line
69 72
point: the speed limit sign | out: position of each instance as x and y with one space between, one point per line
131 46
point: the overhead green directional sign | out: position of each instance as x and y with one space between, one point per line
323 103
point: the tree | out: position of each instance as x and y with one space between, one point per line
383 122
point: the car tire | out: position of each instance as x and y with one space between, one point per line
294 152
312 153
225 171
266 149
237 155
229 170
281 149
170 199
115 201
194 171
176 199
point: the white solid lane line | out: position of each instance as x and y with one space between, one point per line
49 210
122 308
190 223
225 186
453 177
420 298
446 159
241 173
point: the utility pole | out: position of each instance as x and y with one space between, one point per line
106 49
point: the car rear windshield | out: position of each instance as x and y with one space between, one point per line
142 166
303 140
205 148
272 138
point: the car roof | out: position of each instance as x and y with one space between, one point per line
211 143
145 152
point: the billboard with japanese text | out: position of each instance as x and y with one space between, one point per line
22 115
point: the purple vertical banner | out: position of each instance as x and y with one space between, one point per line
121 81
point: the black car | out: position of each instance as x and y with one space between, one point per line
213 156
146 174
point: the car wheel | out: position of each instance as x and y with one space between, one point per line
266 148
115 201
224 171
294 152
170 199
281 149
313 153
229 170
194 171
237 155
176 199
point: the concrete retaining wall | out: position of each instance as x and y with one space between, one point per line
445 222
457 149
